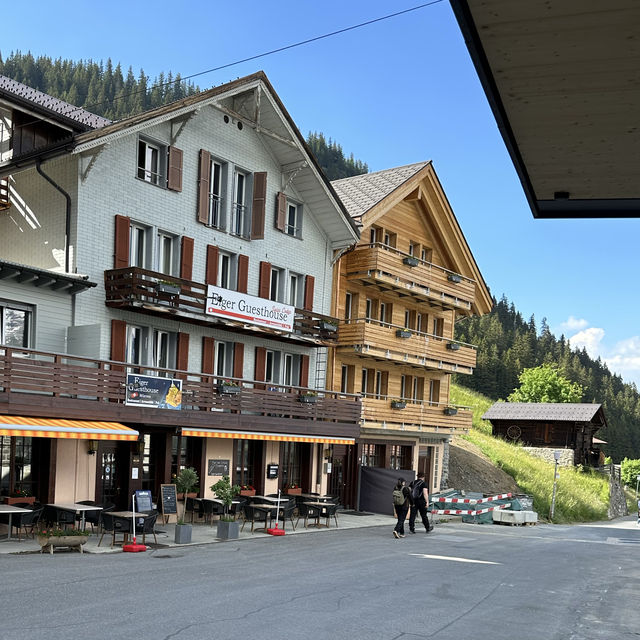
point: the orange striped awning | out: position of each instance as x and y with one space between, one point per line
58 428
275 437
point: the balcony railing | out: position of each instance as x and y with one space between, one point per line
369 338
157 293
38 380
391 270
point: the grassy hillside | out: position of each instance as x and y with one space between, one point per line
581 496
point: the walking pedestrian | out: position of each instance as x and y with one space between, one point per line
420 499
401 501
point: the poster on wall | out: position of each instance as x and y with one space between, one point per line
234 305
152 391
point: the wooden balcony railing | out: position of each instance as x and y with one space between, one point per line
416 415
48 380
394 271
157 293
369 338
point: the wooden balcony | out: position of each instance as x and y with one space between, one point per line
415 417
391 271
42 384
379 341
157 294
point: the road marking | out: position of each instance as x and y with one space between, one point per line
451 558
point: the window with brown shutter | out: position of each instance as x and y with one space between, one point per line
208 354
174 177
238 359
264 285
304 371
211 275
243 273
203 186
186 258
309 283
258 205
281 211
121 245
118 342
182 352
260 366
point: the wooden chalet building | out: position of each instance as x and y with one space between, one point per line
398 294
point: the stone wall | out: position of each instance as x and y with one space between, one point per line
566 458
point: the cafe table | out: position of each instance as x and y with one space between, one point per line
77 509
9 509
272 508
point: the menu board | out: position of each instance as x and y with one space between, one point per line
168 499
218 468
143 501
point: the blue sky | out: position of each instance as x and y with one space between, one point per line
395 92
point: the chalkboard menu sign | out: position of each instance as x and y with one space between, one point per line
218 468
168 499
143 501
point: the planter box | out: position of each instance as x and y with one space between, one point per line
228 530
411 261
49 542
169 289
450 411
308 399
228 389
403 333
247 492
453 346
19 499
180 496
294 492
454 277
328 326
183 534
398 404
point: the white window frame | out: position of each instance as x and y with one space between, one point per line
166 241
223 360
293 222
152 163
276 284
227 270
28 331
241 214
138 245
167 340
215 217
291 369
364 380
135 334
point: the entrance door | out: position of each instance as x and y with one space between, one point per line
424 465
337 479
108 476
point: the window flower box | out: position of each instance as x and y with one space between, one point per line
403 333
398 404
247 492
411 261
229 388
454 277
168 288
293 490
19 499
453 346
308 398
325 325
450 411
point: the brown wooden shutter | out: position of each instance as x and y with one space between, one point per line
258 206
260 366
238 359
281 211
182 352
208 354
304 371
121 251
204 168
186 258
118 342
174 175
211 275
264 284
243 273
309 283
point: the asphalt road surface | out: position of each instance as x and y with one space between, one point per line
461 581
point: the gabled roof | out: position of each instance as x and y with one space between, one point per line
80 119
369 196
547 411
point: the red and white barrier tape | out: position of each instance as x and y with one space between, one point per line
502 496
467 512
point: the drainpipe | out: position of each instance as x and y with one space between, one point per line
67 223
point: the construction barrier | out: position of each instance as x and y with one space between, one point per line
501 496
468 512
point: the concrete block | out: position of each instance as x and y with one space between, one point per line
512 517
530 516
497 515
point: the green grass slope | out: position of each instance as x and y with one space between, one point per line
581 496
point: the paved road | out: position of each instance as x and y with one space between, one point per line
462 581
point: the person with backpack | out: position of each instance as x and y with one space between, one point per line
419 501
401 502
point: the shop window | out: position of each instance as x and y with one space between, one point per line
371 455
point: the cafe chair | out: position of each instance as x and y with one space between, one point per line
59 517
330 511
309 512
288 510
211 508
195 507
148 526
24 521
255 514
94 518
115 525
237 507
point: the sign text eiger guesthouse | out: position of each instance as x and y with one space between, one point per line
249 309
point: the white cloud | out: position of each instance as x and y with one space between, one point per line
573 324
590 339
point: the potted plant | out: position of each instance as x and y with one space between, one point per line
450 411
309 397
56 537
19 496
403 333
454 277
293 489
247 490
229 387
168 287
453 346
398 404
228 526
328 325
186 481
411 261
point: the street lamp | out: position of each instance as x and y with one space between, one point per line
556 455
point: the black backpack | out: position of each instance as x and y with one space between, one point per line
416 490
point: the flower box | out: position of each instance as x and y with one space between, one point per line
307 399
228 530
19 499
229 389
450 411
411 261
328 326
180 496
294 492
403 333
454 277
398 404
49 542
169 289
247 492
453 346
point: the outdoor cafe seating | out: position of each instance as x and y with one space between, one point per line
62 518
26 522
256 513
